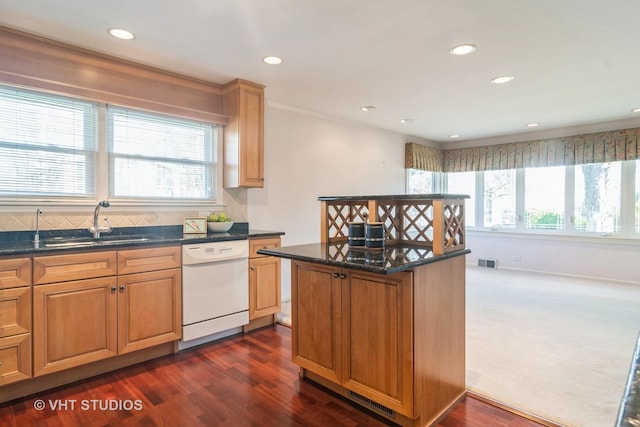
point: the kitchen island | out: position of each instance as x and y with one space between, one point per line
386 327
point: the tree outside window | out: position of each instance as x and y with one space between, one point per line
597 197
500 199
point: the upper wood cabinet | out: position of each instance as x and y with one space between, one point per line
244 134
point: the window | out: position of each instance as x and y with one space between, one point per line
160 157
419 181
544 198
464 183
48 145
636 203
500 198
597 197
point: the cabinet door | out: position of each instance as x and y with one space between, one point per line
378 343
264 287
149 309
244 134
251 137
74 323
316 319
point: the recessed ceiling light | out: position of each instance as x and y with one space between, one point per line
636 110
455 135
463 49
532 125
272 60
119 33
406 120
501 79
367 108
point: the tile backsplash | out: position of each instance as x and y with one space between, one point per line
235 207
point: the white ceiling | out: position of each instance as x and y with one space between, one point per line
575 62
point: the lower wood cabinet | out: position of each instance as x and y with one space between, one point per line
149 309
264 279
355 329
74 323
81 321
394 343
15 320
15 358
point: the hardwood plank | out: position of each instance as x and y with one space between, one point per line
240 381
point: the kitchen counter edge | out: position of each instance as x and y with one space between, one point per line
301 253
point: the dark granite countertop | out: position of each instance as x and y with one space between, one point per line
21 242
629 413
391 259
433 196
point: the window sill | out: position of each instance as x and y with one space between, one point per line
595 238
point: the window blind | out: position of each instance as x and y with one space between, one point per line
48 145
160 157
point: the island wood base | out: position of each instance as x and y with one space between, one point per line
393 342
395 417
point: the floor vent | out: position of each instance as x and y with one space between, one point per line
489 263
373 405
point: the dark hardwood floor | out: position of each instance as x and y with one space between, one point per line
240 381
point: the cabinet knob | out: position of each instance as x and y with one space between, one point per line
122 287
113 289
336 275
253 268
343 276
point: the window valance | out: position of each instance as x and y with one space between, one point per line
618 145
421 157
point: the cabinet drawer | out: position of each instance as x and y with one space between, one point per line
15 311
15 358
62 268
15 272
150 259
256 244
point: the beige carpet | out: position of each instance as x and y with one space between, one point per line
556 347
553 346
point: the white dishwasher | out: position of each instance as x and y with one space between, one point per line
215 290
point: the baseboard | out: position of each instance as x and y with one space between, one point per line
260 322
508 408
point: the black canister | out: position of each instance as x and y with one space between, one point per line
374 235
356 234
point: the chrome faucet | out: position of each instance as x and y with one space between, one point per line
95 229
36 238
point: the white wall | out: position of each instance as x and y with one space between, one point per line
601 258
307 156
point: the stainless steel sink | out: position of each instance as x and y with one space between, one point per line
66 244
114 241
71 242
